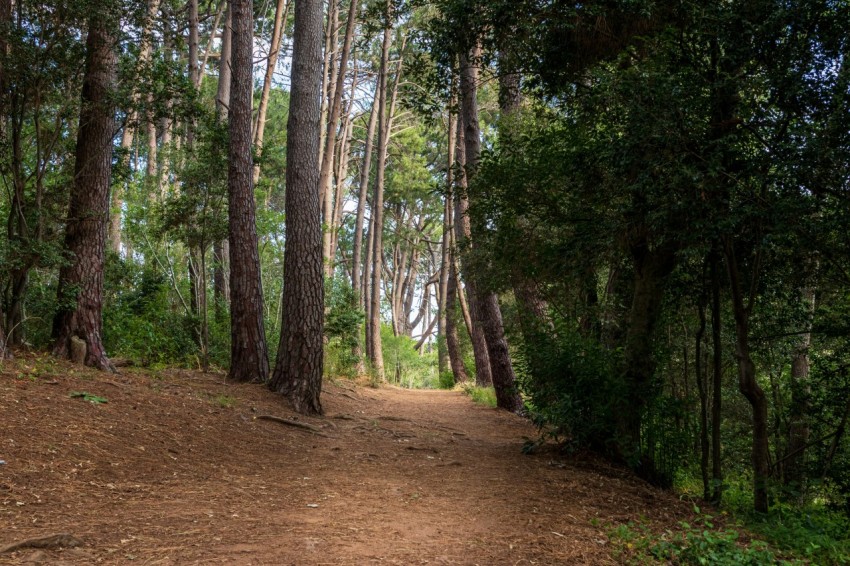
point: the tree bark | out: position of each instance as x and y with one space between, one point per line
129 133
798 427
747 383
248 353
651 268
365 169
298 370
221 249
443 361
463 234
80 292
377 357
280 14
717 383
331 134
486 308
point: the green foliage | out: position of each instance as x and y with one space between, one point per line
342 328
482 395
140 320
699 543
85 396
572 388
811 531
403 365
446 380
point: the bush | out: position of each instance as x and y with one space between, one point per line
700 543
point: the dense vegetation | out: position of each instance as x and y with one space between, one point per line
629 217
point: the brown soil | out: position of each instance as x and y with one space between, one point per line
176 468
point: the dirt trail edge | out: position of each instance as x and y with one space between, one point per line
174 467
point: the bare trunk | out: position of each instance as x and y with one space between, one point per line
280 14
747 383
463 232
651 268
486 310
798 427
365 169
298 370
221 249
716 383
330 137
248 353
80 293
129 133
377 357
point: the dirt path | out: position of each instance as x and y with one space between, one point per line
176 469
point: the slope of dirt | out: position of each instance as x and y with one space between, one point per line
176 468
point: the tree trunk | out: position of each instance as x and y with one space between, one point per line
651 268
702 390
80 292
798 426
463 230
747 382
248 353
486 310
129 132
443 361
298 370
330 137
377 356
221 249
716 383
280 14
365 169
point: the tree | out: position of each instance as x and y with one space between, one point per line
80 293
298 370
486 305
248 357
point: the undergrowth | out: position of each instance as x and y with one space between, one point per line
700 542
482 395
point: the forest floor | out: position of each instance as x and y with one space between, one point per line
178 467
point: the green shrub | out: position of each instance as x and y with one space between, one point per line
698 543
481 395
446 380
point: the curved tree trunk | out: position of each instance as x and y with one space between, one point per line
463 230
747 383
298 370
248 354
486 306
80 294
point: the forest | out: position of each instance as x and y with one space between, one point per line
626 220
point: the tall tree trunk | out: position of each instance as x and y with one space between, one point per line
716 383
463 232
747 383
194 70
130 127
365 170
80 292
443 361
798 426
280 14
702 390
486 306
377 357
248 354
298 370
331 134
221 249
651 269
